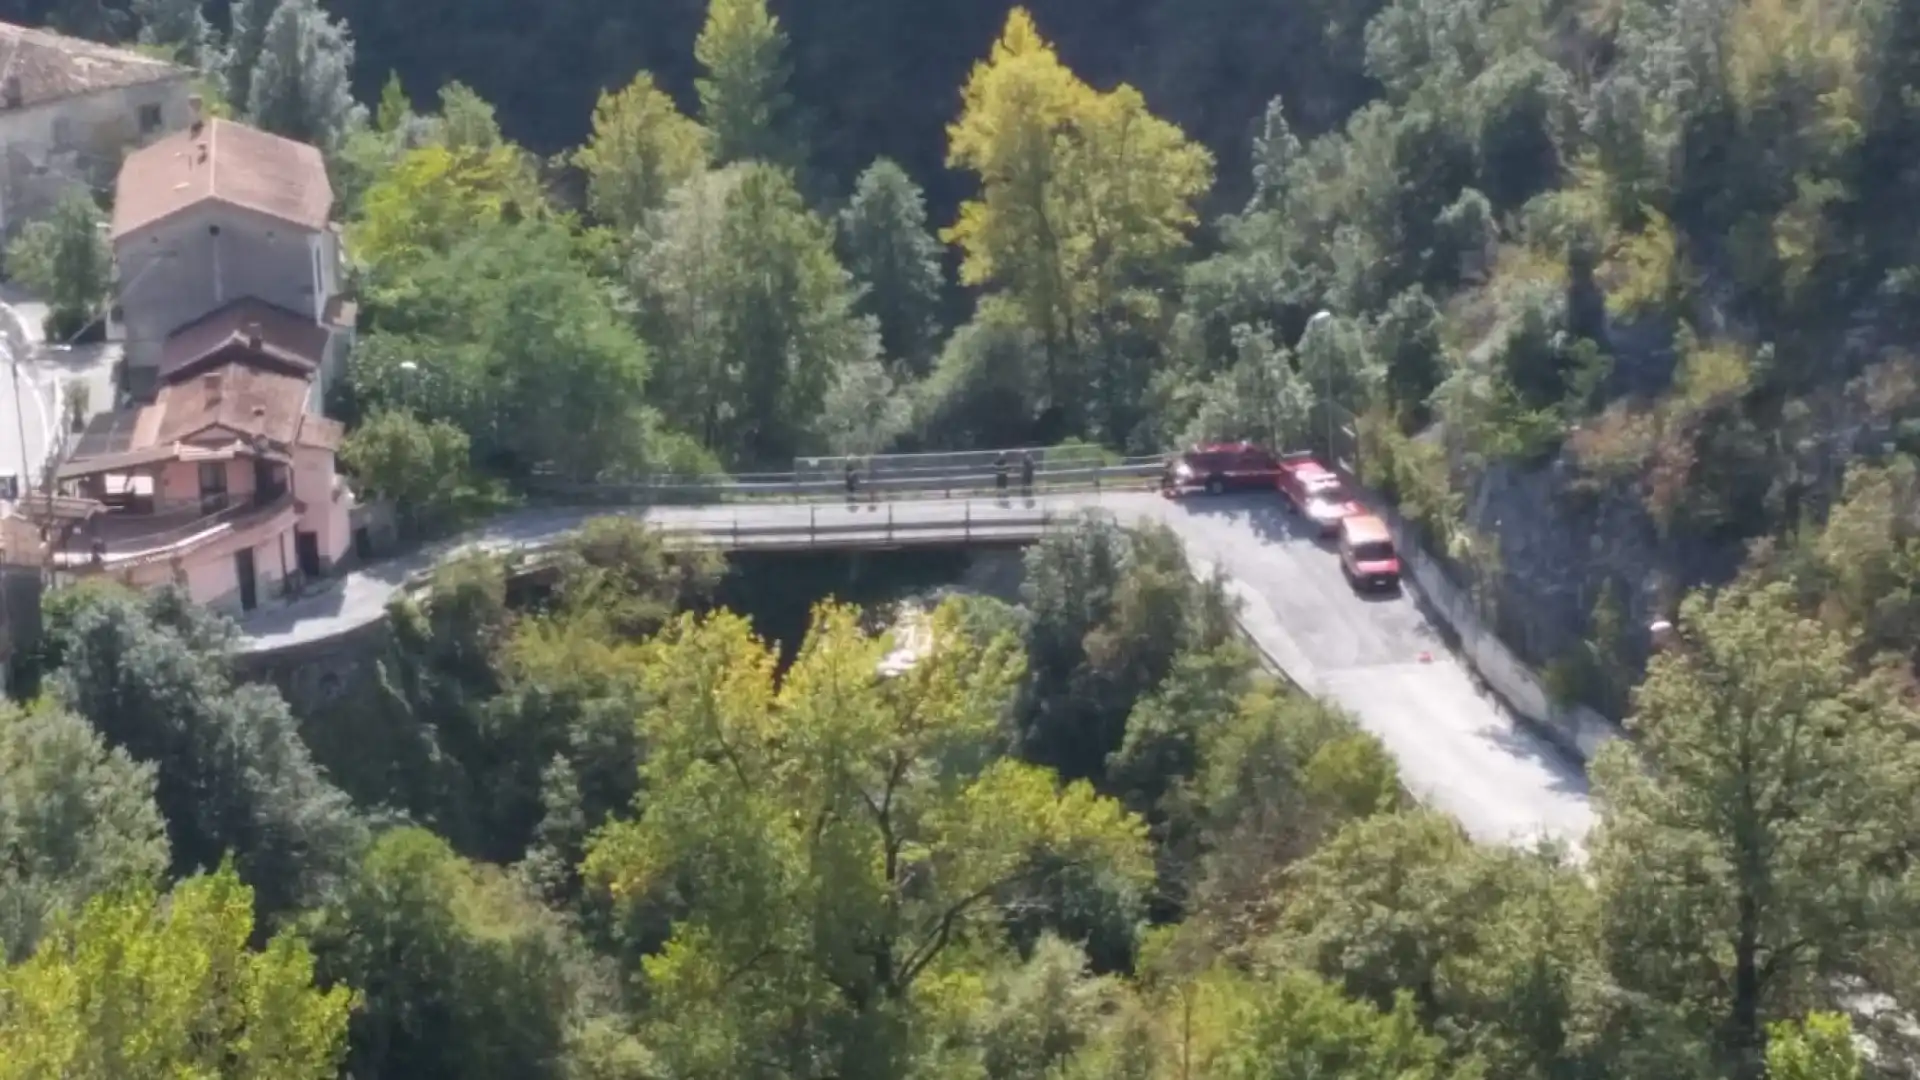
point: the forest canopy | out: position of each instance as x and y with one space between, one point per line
1626 283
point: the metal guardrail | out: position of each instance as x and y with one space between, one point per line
819 530
730 534
909 482
163 544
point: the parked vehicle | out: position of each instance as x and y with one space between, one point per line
1219 468
1367 555
1314 490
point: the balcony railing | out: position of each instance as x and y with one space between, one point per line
128 544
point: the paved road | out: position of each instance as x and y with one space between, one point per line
27 404
1457 749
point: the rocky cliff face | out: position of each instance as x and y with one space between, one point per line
1562 533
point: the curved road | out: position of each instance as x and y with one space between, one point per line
1378 657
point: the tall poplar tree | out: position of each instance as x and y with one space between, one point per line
302 85
247 37
1084 207
642 147
884 238
744 99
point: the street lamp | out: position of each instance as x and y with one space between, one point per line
409 372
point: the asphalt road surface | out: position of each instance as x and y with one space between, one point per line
1458 750
26 419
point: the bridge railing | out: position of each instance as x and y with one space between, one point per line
968 480
824 526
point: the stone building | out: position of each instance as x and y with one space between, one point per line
70 109
217 215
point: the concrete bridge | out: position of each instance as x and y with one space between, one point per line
1381 659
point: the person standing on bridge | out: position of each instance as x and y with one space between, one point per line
1026 473
1000 474
853 482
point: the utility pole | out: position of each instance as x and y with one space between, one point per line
1326 404
19 419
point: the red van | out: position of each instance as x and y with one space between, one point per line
1367 555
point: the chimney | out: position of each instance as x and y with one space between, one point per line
253 336
196 112
14 94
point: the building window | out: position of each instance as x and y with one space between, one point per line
213 486
149 119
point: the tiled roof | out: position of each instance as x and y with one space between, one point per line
225 162
296 342
53 67
236 396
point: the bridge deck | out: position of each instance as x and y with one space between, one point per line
1457 749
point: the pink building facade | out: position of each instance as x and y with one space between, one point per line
228 295
225 484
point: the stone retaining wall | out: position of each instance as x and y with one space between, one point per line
1577 729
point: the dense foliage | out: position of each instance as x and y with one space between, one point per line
600 829
1644 263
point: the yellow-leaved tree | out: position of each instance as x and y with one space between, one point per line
642 147
140 988
434 196
848 836
1085 204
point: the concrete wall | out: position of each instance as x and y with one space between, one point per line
50 148
181 269
314 673
179 481
326 503
1575 728
210 573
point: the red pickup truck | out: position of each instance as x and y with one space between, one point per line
1314 490
1220 467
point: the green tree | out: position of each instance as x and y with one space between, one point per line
1407 340
1113 612
95 20
431 199
641 149
864 410
1492 946
1747 862
848 835
744 100
1820 1049
179 27
140 988
1260 396
422 467
509 336
1086 199
303 82
1275 773
76 820
1296 1025
465 976
886 245
64 259
749 312
467 122
246 40
152 673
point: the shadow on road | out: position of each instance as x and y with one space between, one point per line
1523 742
1266 513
